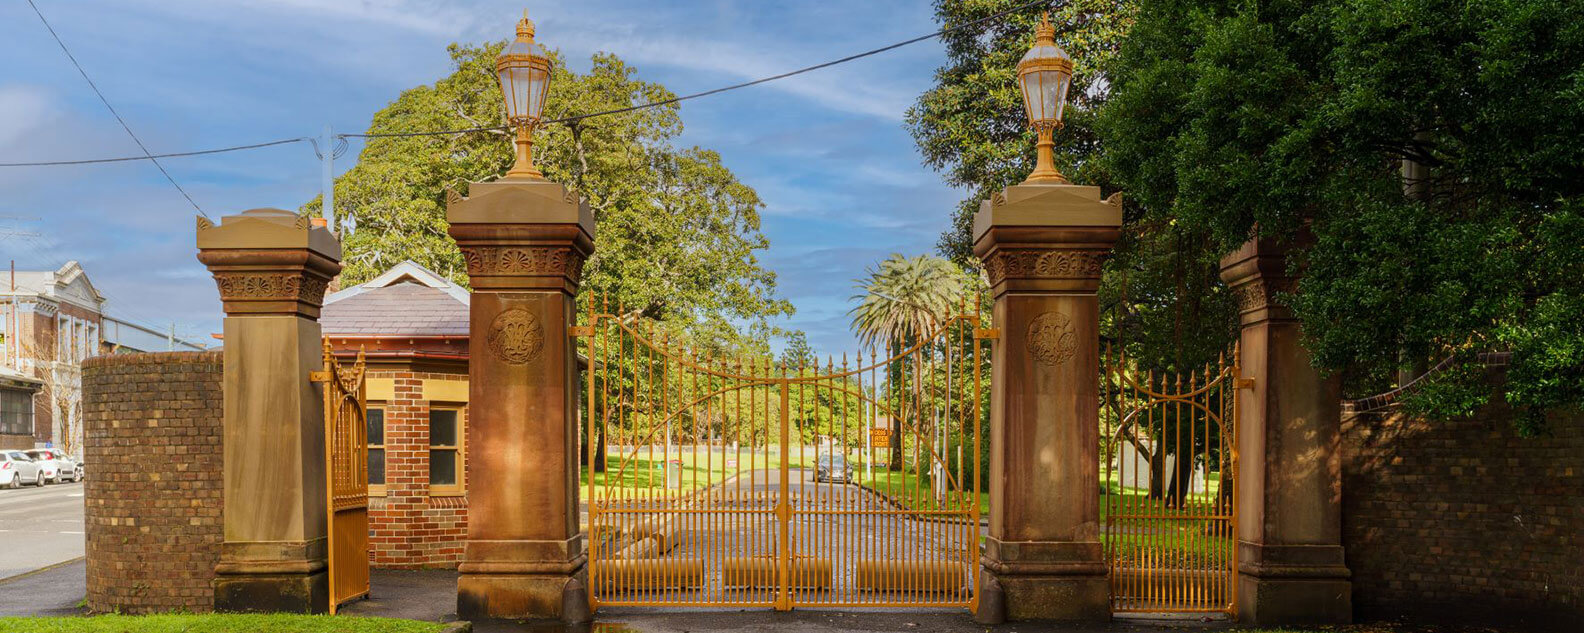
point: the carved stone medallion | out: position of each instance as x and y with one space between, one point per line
1051 339
515 336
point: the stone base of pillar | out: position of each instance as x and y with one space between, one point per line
273 593
523 597
1293 585
1063 582
523 580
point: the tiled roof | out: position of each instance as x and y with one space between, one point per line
400 309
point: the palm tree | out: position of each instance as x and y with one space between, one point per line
903 300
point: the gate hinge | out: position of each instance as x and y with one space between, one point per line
987 333
1245 383
581 330
319 376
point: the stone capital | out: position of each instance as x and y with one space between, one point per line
269 262
521 235
1257 274
1046 238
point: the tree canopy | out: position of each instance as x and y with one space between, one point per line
1162 302
1242 118
677 232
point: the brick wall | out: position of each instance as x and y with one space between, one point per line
153 492
408 527
1464 520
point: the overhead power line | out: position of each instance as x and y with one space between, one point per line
106 102
578 118
563 120
154 156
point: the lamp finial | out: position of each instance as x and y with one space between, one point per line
525 27
1045 34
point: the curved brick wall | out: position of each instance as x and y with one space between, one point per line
152 447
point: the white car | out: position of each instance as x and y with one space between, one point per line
16 468
57 466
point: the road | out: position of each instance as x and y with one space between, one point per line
834 529
40 527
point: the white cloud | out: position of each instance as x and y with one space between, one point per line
836 88
23 109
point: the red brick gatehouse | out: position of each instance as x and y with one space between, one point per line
413 326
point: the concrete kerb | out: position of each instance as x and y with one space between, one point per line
41 570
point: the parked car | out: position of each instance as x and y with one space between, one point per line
833 468
58 466
17 468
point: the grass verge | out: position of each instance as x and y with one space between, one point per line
217 623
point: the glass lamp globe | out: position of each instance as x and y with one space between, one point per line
524 74
1044 75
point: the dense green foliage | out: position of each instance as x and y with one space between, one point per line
1162 301
971 126
1234 117
677 232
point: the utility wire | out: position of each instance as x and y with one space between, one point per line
563 120
706 93
154 156
112 109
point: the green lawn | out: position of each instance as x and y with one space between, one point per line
216 623
906 489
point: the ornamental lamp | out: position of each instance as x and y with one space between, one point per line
524 73
1044 74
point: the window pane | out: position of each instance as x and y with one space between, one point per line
442 468
442 427
376 426
376 461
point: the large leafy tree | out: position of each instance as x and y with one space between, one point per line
1163 303
971 125
677 232
1237 118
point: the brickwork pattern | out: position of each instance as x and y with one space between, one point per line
153 493
1464 519
409 528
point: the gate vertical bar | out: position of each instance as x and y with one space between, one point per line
784 508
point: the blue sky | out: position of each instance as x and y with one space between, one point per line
842 182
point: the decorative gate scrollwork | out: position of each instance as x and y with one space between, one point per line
1167 474
346 476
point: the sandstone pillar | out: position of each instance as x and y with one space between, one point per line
1290 561
272 267
525 242
1043 246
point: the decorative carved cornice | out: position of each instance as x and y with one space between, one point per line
1261 292
271 286
1005 264
524 260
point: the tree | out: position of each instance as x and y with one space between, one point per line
971 126
798 353
1281 118
1162 300
677 231
904 300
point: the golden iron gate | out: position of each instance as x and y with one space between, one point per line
742 482
1168 471
346 476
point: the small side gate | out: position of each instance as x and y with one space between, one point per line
749 483
1167 475
346 474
